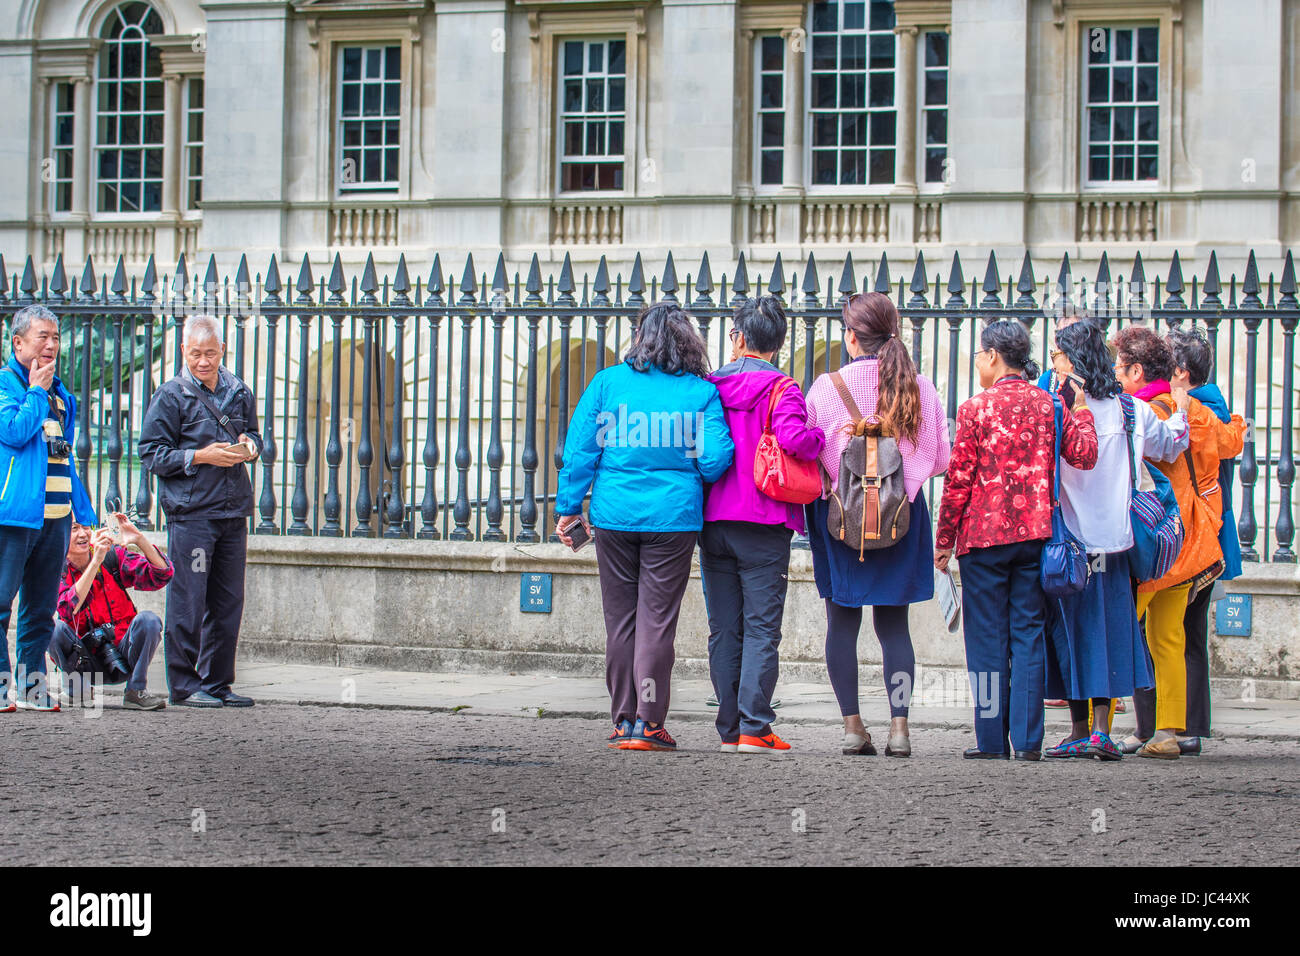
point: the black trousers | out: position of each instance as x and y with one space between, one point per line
1196 624
205 602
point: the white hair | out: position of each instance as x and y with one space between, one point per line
199 328
25 317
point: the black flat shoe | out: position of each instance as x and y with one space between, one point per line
231 699
974 753
1029 755
197 699
1191 747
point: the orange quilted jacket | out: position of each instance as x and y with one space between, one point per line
1202 508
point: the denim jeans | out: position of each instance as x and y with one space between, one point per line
744 567
31 563
142 640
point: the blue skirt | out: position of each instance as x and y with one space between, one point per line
901 574
1094 645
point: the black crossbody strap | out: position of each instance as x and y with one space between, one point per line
1187 452
222 419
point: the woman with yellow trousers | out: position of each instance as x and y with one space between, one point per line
1143 365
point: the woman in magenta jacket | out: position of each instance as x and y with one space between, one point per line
745 544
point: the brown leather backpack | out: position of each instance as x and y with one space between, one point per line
869 508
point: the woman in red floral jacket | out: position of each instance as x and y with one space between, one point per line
996 513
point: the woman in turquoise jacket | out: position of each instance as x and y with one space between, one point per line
646 437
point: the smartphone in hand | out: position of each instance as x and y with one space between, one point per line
1066 391
579 534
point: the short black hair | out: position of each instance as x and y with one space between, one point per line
1010 340
1191 351
762 321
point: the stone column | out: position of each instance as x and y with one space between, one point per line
905 157
794 108
82 146
172 145
244 161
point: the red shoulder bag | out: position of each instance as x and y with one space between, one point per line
777 474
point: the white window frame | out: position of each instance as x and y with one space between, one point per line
922 109
97 148
812 187
607 116
758 111
188 175
1084 155
57 148
392 186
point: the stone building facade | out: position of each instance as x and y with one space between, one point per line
617 126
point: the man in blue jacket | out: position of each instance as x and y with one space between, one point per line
39 494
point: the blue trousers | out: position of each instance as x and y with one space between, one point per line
744 568
1003 612
31 562
142 640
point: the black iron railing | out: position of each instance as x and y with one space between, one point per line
439 408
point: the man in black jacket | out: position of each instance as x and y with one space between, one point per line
199 432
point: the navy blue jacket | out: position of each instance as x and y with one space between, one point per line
175 423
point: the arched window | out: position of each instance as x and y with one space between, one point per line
851 94
129 114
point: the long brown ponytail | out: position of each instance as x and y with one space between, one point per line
872 318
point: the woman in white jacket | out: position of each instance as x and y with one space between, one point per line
1095 649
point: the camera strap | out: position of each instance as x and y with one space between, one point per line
222 418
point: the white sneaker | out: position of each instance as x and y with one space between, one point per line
857 744
43 703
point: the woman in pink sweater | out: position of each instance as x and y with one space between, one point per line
883 382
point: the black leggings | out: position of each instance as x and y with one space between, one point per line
842 626
1079 708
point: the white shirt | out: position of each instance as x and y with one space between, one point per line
1095 503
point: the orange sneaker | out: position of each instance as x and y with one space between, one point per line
761 745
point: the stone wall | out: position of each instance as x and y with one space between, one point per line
444 606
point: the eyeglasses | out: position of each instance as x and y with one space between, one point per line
733 333
1054 353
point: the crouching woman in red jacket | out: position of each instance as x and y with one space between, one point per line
996 513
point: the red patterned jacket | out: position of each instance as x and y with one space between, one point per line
108 601
999 484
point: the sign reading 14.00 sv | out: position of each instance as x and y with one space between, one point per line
1232 615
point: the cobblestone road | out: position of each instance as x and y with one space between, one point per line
327 785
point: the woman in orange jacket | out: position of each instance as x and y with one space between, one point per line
1143 367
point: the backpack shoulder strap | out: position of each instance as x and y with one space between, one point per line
1058 418
1130 426
845 396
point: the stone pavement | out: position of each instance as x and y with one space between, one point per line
458 769
942 701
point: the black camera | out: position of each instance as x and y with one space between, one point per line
101 647
59 447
